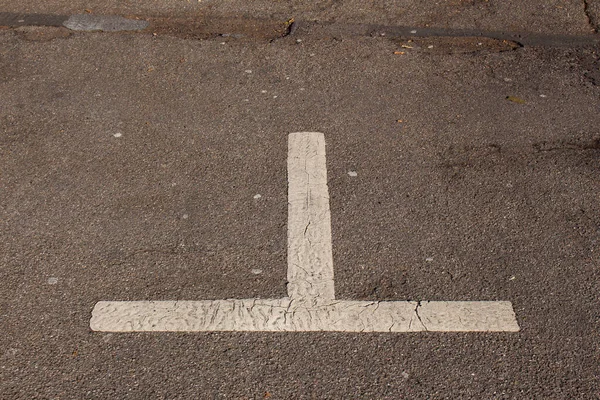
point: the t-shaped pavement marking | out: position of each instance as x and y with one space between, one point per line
311 303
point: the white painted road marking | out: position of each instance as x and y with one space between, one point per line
310 258
311 303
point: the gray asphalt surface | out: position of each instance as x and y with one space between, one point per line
129 165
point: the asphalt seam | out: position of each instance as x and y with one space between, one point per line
277 29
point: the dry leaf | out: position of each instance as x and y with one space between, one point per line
515 99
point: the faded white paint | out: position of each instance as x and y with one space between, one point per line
311 303
106 23
310 258
258 315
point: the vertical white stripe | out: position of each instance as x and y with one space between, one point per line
310 259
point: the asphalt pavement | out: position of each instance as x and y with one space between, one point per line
152 166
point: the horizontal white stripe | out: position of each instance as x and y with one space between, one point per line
299 316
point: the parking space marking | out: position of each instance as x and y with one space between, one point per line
310 258
311 303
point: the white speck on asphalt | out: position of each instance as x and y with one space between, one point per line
543 95
274 97
248 71
263 91
257 196
185 216
52 281
352 173
256 271
429 259
302 89
430 46
512 278
413 31
118 134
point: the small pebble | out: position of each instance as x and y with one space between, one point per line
543 95
257 196
52 281
352 173
248 71
256 271
118 134
263 91
185 216
413 31
429 259
430 46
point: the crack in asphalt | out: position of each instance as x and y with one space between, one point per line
418 316
591 19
